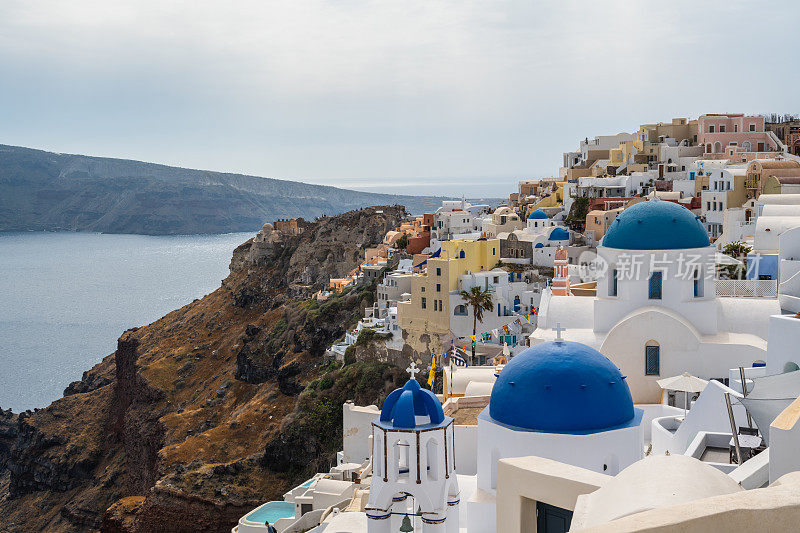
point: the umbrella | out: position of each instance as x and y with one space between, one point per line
685 383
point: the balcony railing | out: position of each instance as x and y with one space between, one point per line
747 288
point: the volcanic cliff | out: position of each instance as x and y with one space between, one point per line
211 410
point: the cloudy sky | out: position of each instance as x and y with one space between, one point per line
353 93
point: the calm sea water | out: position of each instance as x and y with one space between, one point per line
65 298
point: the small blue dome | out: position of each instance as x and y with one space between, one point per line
561 387
402 407
539 245
538 214
656 225
558 234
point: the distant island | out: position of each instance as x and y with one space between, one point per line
46 191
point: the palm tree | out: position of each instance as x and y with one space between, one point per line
480 300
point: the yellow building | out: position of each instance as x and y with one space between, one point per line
554 199
426 316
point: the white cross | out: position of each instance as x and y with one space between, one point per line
558 329
413 370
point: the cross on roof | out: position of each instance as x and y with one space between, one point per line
413 370
558 329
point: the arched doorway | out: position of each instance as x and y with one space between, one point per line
717 147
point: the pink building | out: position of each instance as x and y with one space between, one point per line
735 136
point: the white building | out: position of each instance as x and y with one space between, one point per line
656 312
559 400
714 201
457 219
510 300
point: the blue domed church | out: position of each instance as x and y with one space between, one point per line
656 312
559 400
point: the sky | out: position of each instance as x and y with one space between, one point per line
404 96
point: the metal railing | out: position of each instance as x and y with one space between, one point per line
747 288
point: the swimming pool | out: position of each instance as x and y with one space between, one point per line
272 511
308 483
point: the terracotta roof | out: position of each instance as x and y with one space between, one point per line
768 163
788 180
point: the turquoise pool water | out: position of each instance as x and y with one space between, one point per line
271 511
307 483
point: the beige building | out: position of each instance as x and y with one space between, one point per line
504 220
680 129
760 170
425 318
598 221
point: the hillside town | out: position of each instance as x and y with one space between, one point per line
609 349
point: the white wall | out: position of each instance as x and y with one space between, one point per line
616 448
677 288
356 430
784 332
784 441
466 450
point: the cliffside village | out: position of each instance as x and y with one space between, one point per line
618 348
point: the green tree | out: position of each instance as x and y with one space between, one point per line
402 242
576 219
479 300
737 250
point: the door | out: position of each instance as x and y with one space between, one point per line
551 519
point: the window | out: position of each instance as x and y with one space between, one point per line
722 128
708 206
652 366
460 310
462 255
438 287
711 129
612 283
655 285
438 271
752 127
735 128
424 303
698 283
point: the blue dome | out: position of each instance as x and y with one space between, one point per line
558 234
538 214
561 387
539 245
402 407
656 225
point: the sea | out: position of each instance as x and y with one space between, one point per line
65 298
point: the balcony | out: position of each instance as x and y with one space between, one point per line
747 288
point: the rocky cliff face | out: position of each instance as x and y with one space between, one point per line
214 408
